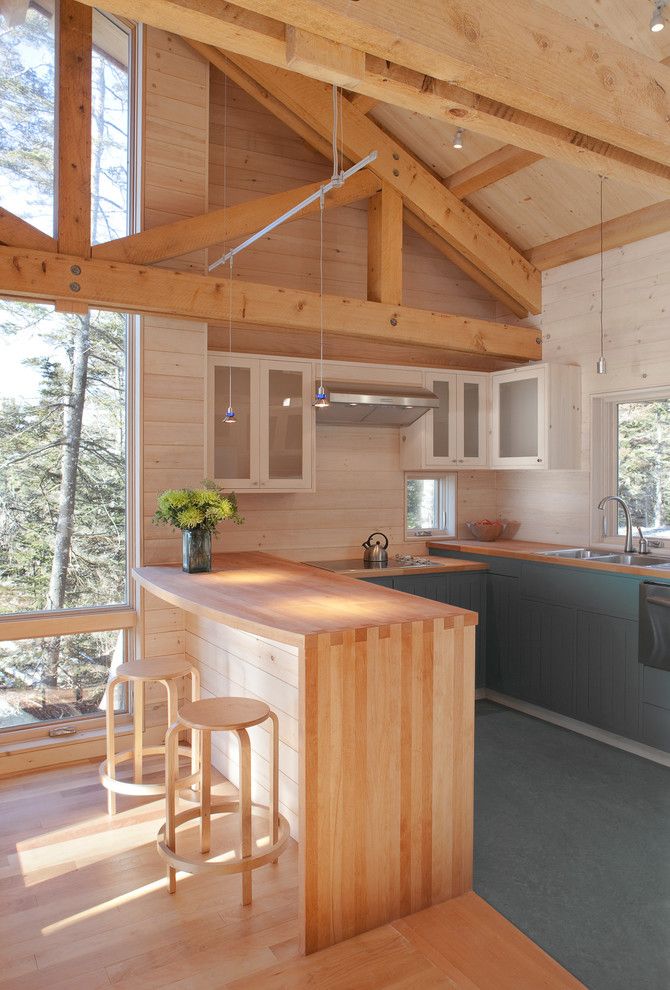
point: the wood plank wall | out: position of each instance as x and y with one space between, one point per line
172 352
359 478
556 505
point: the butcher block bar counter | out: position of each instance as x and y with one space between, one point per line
374 690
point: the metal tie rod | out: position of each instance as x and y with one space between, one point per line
336 181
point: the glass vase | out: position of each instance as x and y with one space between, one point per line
196 556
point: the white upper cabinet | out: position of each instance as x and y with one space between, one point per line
456 434
536 417
270 447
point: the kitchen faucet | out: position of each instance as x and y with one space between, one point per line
628 548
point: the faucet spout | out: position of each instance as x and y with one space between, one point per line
628 548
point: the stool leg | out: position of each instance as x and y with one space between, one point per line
205 789
245 809
171 770
274 784
138 725
195 743
111 743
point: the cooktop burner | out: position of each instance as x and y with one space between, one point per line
358 564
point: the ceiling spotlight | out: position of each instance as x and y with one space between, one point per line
657 22
458 139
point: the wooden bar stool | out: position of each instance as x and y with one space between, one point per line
140 672
221 715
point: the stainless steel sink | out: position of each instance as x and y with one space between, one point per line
582 553
635 559
602 557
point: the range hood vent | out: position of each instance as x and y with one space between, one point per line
364 404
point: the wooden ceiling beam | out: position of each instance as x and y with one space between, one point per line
73 120
527 54
364 104
425 195
131 288
315 56
263 38
183 236
647 222
491 168
16 232
385 246
440 100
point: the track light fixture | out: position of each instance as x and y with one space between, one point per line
458 139
657 22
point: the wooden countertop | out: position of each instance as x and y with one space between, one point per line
527 550
398 570
287 601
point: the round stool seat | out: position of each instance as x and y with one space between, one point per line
220 714
160 669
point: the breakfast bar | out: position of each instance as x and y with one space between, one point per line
374 691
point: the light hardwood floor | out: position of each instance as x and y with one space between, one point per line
84 905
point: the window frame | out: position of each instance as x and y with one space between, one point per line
447 504
604 464
124 617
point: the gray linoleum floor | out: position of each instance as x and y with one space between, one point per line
572 844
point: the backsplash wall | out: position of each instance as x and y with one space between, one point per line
359 484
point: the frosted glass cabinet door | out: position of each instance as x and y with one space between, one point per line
441 436
519 418
472 420
286 419
233 447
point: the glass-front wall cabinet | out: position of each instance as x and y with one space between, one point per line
519 418
269 446
455 434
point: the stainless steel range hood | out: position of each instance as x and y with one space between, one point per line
363 404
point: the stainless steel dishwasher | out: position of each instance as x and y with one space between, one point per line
654 636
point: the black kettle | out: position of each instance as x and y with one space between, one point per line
375 553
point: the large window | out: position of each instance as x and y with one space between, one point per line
63 399
631 458
27 99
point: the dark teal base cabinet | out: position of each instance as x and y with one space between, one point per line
566 639
502 634
465 590
548 659
608 674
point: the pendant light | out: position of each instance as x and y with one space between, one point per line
229 418
657 22
601 363
458 139
321 397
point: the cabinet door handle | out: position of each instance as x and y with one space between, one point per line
539 460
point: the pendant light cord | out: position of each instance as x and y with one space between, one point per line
225 242
602 272
230 335
321 205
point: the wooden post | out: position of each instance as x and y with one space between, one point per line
73 208
385 246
